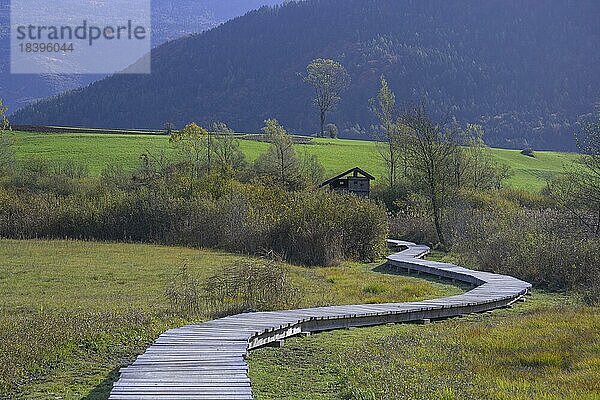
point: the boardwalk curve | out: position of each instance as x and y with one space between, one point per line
208 360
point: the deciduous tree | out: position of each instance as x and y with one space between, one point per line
7 156
228 157
473 164
279 162
168 128
312 170
391 135
194 142
578 190
431 147
329 79
3 119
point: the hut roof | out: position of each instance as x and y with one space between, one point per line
355 171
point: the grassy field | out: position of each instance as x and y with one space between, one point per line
547 349
72 313
97 151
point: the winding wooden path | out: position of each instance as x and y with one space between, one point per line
207 361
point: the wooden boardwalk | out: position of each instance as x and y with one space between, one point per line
207 361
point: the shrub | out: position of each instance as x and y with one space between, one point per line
306 227
538 246
514 233
528 152
241 287
413 227
394 198
183 294
249 286
41 176
525 198
332 131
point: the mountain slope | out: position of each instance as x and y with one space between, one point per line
171 19
524 69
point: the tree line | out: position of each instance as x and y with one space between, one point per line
216 151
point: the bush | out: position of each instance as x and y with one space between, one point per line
538 246
413 227
394 198
514 233
247 287
528 152
314 228
321 228
47 177
332 131
183 295
242 287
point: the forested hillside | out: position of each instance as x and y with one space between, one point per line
526 70
171 19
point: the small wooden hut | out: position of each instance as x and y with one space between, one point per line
354 181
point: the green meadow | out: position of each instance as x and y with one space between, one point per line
72 313
98 150
547 348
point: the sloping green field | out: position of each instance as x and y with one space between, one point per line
98 150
